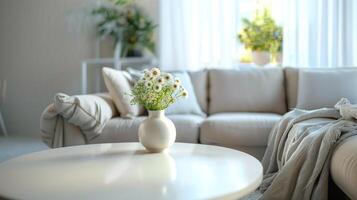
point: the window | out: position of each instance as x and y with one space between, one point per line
203 33
197 34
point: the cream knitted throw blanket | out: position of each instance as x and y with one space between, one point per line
296 163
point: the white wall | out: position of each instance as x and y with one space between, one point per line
39 56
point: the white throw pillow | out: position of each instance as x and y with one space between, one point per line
90 112
119 87
199 81
189 105
318 89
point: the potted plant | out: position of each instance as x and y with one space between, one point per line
126 23
276 46
258 36
156 91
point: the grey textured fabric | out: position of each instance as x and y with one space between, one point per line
291 86
238 129
126 130
344 166
298 159
316 91
89 113
256 90
199 81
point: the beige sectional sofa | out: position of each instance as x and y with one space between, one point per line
241 106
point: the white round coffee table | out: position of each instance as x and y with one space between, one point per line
127 171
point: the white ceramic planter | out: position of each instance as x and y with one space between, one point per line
261 57
157 132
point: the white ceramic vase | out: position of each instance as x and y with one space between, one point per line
261 57
157 132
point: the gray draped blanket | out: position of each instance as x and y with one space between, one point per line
297 160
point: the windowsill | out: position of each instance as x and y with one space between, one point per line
252 65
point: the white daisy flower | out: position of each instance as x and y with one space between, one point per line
177 81
147 75
157 88
168 77
160 80
155 72
148 84
175 86
184 93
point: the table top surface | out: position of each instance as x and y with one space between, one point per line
128 171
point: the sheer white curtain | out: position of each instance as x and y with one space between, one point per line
320 33
196 34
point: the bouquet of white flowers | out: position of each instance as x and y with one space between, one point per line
156 90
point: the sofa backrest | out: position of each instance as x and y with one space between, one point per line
329 84
253 90
291 86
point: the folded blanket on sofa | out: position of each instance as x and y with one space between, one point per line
88 112
296 163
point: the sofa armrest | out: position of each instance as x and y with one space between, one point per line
344 166
89 113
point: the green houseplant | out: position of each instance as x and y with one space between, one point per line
262 36
276 46
126 23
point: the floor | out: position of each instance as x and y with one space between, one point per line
16 145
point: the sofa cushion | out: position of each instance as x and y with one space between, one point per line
199 82
324 88
256 90
344 166
187 105
292 82
126 130
238 129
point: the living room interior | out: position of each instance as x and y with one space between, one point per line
178 99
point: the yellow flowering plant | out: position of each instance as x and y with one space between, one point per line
156 90
261 33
